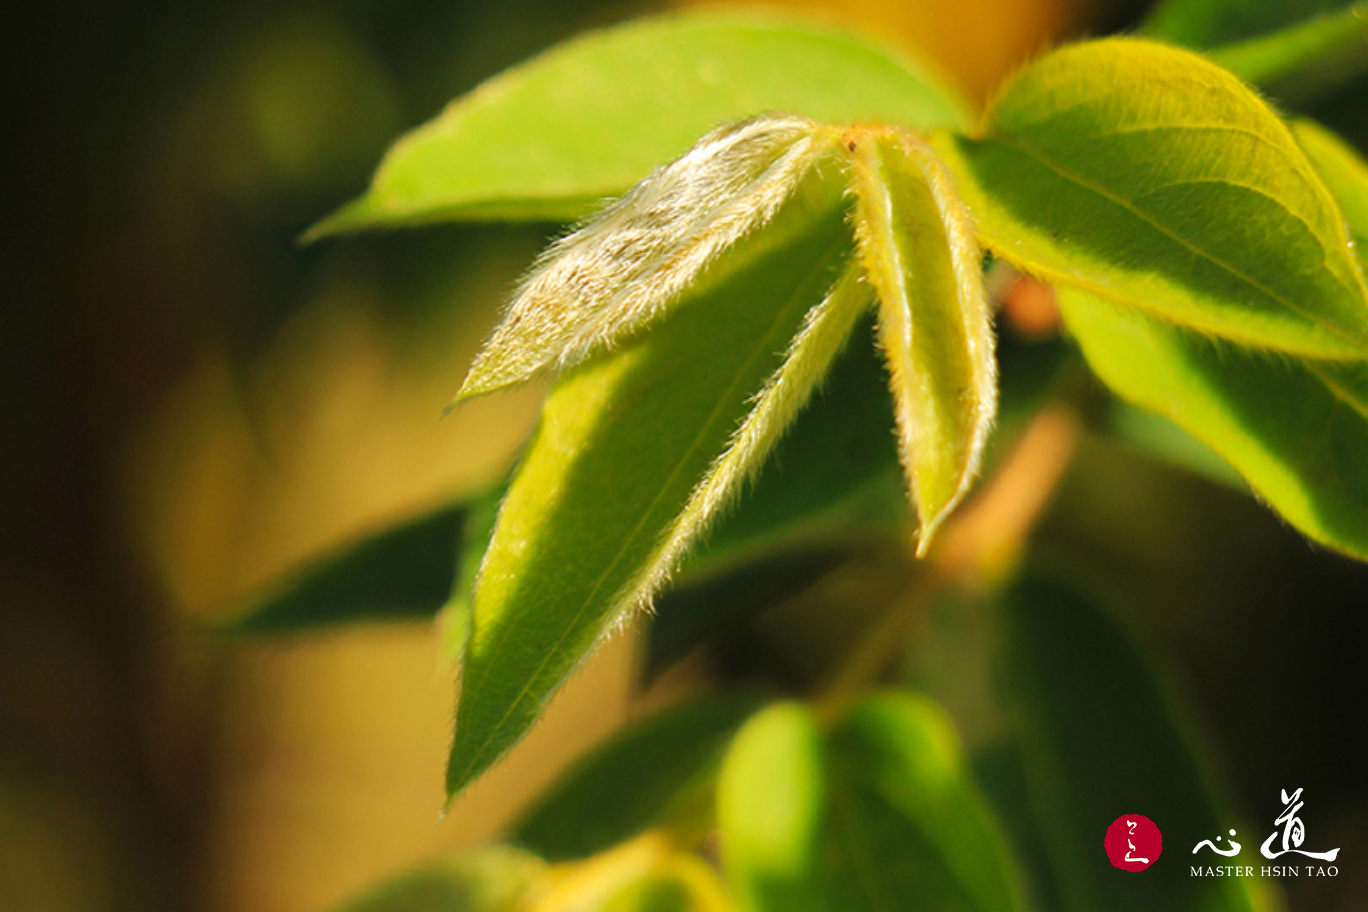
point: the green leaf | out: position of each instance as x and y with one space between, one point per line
453 620
917 248
634 781
1100 739
912 830
682 883
492 879
1303 60
1211 23
771 812
1146 175
624 441
1296 431
1344 172
832 475
403 573
587 120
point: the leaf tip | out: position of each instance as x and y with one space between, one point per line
351 218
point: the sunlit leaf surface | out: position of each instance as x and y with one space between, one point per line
552 138
1297 431
918 251
623 443
1145 175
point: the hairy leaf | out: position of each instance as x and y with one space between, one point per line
1148 176
631 262
1100 738
910 827
1295 430
771 812
492 879
917 247
626 785
551 138
622 445
402 573
1306 59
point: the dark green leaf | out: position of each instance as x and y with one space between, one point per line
1211 23
493 879
1100 740
1148 176
403 573
1304 60
629 784
551 138
701 605
910 829
1296 431
623 442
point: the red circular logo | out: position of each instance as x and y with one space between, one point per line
1133 842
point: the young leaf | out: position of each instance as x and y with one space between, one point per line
625 786
1305 59
1344 172
623 442
492 879
551 138
1146 175
403 573
631 262
917 248
824 332
906 819
1100 739
1295 430
771 812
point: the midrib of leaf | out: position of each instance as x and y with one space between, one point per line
819 341
1338 390
721 215
1129 206
764 346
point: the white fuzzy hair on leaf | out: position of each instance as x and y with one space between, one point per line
630 263
825 330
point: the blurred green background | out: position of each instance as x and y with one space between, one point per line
191 403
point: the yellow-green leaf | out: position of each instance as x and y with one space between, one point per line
917 248
491 879
623 442
589 119
1295 430
1150 177
771 811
